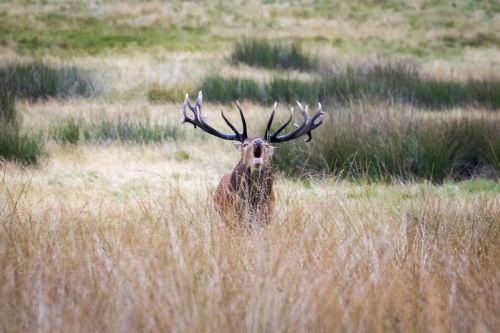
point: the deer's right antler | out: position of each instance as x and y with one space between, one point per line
307 126
199 121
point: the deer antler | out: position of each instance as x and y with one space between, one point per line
199 121
307 126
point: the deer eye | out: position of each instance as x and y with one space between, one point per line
245 144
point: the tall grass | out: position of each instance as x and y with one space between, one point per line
227 90
384 142
7 107
162 262
394 81
263 53
37 80
15 145
144 131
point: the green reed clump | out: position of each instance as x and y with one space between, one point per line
38 80
68 132
15 145
73 131
438 94
267 54
7 107
382 145
224 90
397 81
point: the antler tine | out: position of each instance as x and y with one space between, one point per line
301 107
185 117
270 122
243 122
199 99
319 113
199 121
282 127
231 126
305 128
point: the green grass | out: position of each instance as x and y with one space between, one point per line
227 90
371 144
478 186
455 26
75 28
159 94
68 35
67 132
37 80
15 145
23 148
267 54
7 107
73 131
394 81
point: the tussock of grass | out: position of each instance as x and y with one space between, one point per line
378 144
73 131
67 132
396 81
7 107
227 90
267 54
15 145
38 80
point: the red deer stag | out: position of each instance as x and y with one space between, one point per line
247 191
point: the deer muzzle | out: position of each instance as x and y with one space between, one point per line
258 147
257 153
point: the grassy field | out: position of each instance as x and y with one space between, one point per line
389 220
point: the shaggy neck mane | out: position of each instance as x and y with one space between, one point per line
254 188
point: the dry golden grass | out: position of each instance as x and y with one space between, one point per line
123 238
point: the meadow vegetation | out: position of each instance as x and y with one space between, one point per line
387 27
73 131
14 144
155 258
380 141
38 80
388 220
394 81
158 94
272 55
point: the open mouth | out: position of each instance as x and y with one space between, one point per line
257 152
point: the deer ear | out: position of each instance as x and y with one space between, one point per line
237 145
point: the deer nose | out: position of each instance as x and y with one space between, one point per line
257 151
258 142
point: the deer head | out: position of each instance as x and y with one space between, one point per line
256 154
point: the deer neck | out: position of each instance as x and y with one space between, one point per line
255 186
